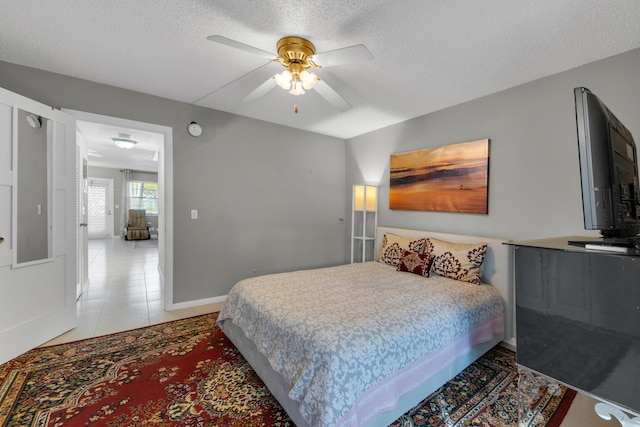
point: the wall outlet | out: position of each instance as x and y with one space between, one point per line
194 213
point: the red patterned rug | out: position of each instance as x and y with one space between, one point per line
486 394
187 373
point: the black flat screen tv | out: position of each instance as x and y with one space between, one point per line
608 171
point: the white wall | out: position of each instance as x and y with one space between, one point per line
534 178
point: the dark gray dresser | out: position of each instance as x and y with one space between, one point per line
578 317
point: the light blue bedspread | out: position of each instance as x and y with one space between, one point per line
333 333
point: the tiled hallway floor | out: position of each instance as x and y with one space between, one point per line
124 291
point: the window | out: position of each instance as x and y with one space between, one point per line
144 195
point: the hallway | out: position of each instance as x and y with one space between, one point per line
124 291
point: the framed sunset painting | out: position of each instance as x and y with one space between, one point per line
449 178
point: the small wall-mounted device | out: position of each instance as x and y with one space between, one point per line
34 121
194 129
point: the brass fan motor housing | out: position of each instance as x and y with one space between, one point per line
296 50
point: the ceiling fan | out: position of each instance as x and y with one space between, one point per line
298 55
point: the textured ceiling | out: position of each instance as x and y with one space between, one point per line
103 152
427 55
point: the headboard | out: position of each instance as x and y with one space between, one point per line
497 267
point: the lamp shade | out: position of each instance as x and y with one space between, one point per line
365 198
296 89
308 79
283 79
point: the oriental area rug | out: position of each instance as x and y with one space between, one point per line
187 373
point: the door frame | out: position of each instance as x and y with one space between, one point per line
82 275
165 181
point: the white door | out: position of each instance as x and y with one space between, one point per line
100 204
82 248
37 287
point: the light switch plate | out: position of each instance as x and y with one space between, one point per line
194 213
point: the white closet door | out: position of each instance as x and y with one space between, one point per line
37 300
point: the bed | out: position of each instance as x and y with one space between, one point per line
360 344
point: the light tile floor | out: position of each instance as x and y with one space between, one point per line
124 291
582 414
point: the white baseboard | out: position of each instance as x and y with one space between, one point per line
195 303
510 343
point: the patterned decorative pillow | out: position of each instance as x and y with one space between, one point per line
459 261
393 247
419 264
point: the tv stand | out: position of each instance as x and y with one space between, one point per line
578 321
631 244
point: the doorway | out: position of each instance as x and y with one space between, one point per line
164 160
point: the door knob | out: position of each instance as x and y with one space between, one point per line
1 239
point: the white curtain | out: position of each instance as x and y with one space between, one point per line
126 179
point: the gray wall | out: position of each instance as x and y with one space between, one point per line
116 176
534 178
270 198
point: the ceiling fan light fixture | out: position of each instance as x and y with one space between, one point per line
283 79
295 53
296 88
308 79
124 141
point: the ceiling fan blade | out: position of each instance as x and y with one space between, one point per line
238 45
261 90
345 55
331 96
239 87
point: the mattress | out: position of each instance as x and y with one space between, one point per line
348 340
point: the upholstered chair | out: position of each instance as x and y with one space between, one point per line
137 228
